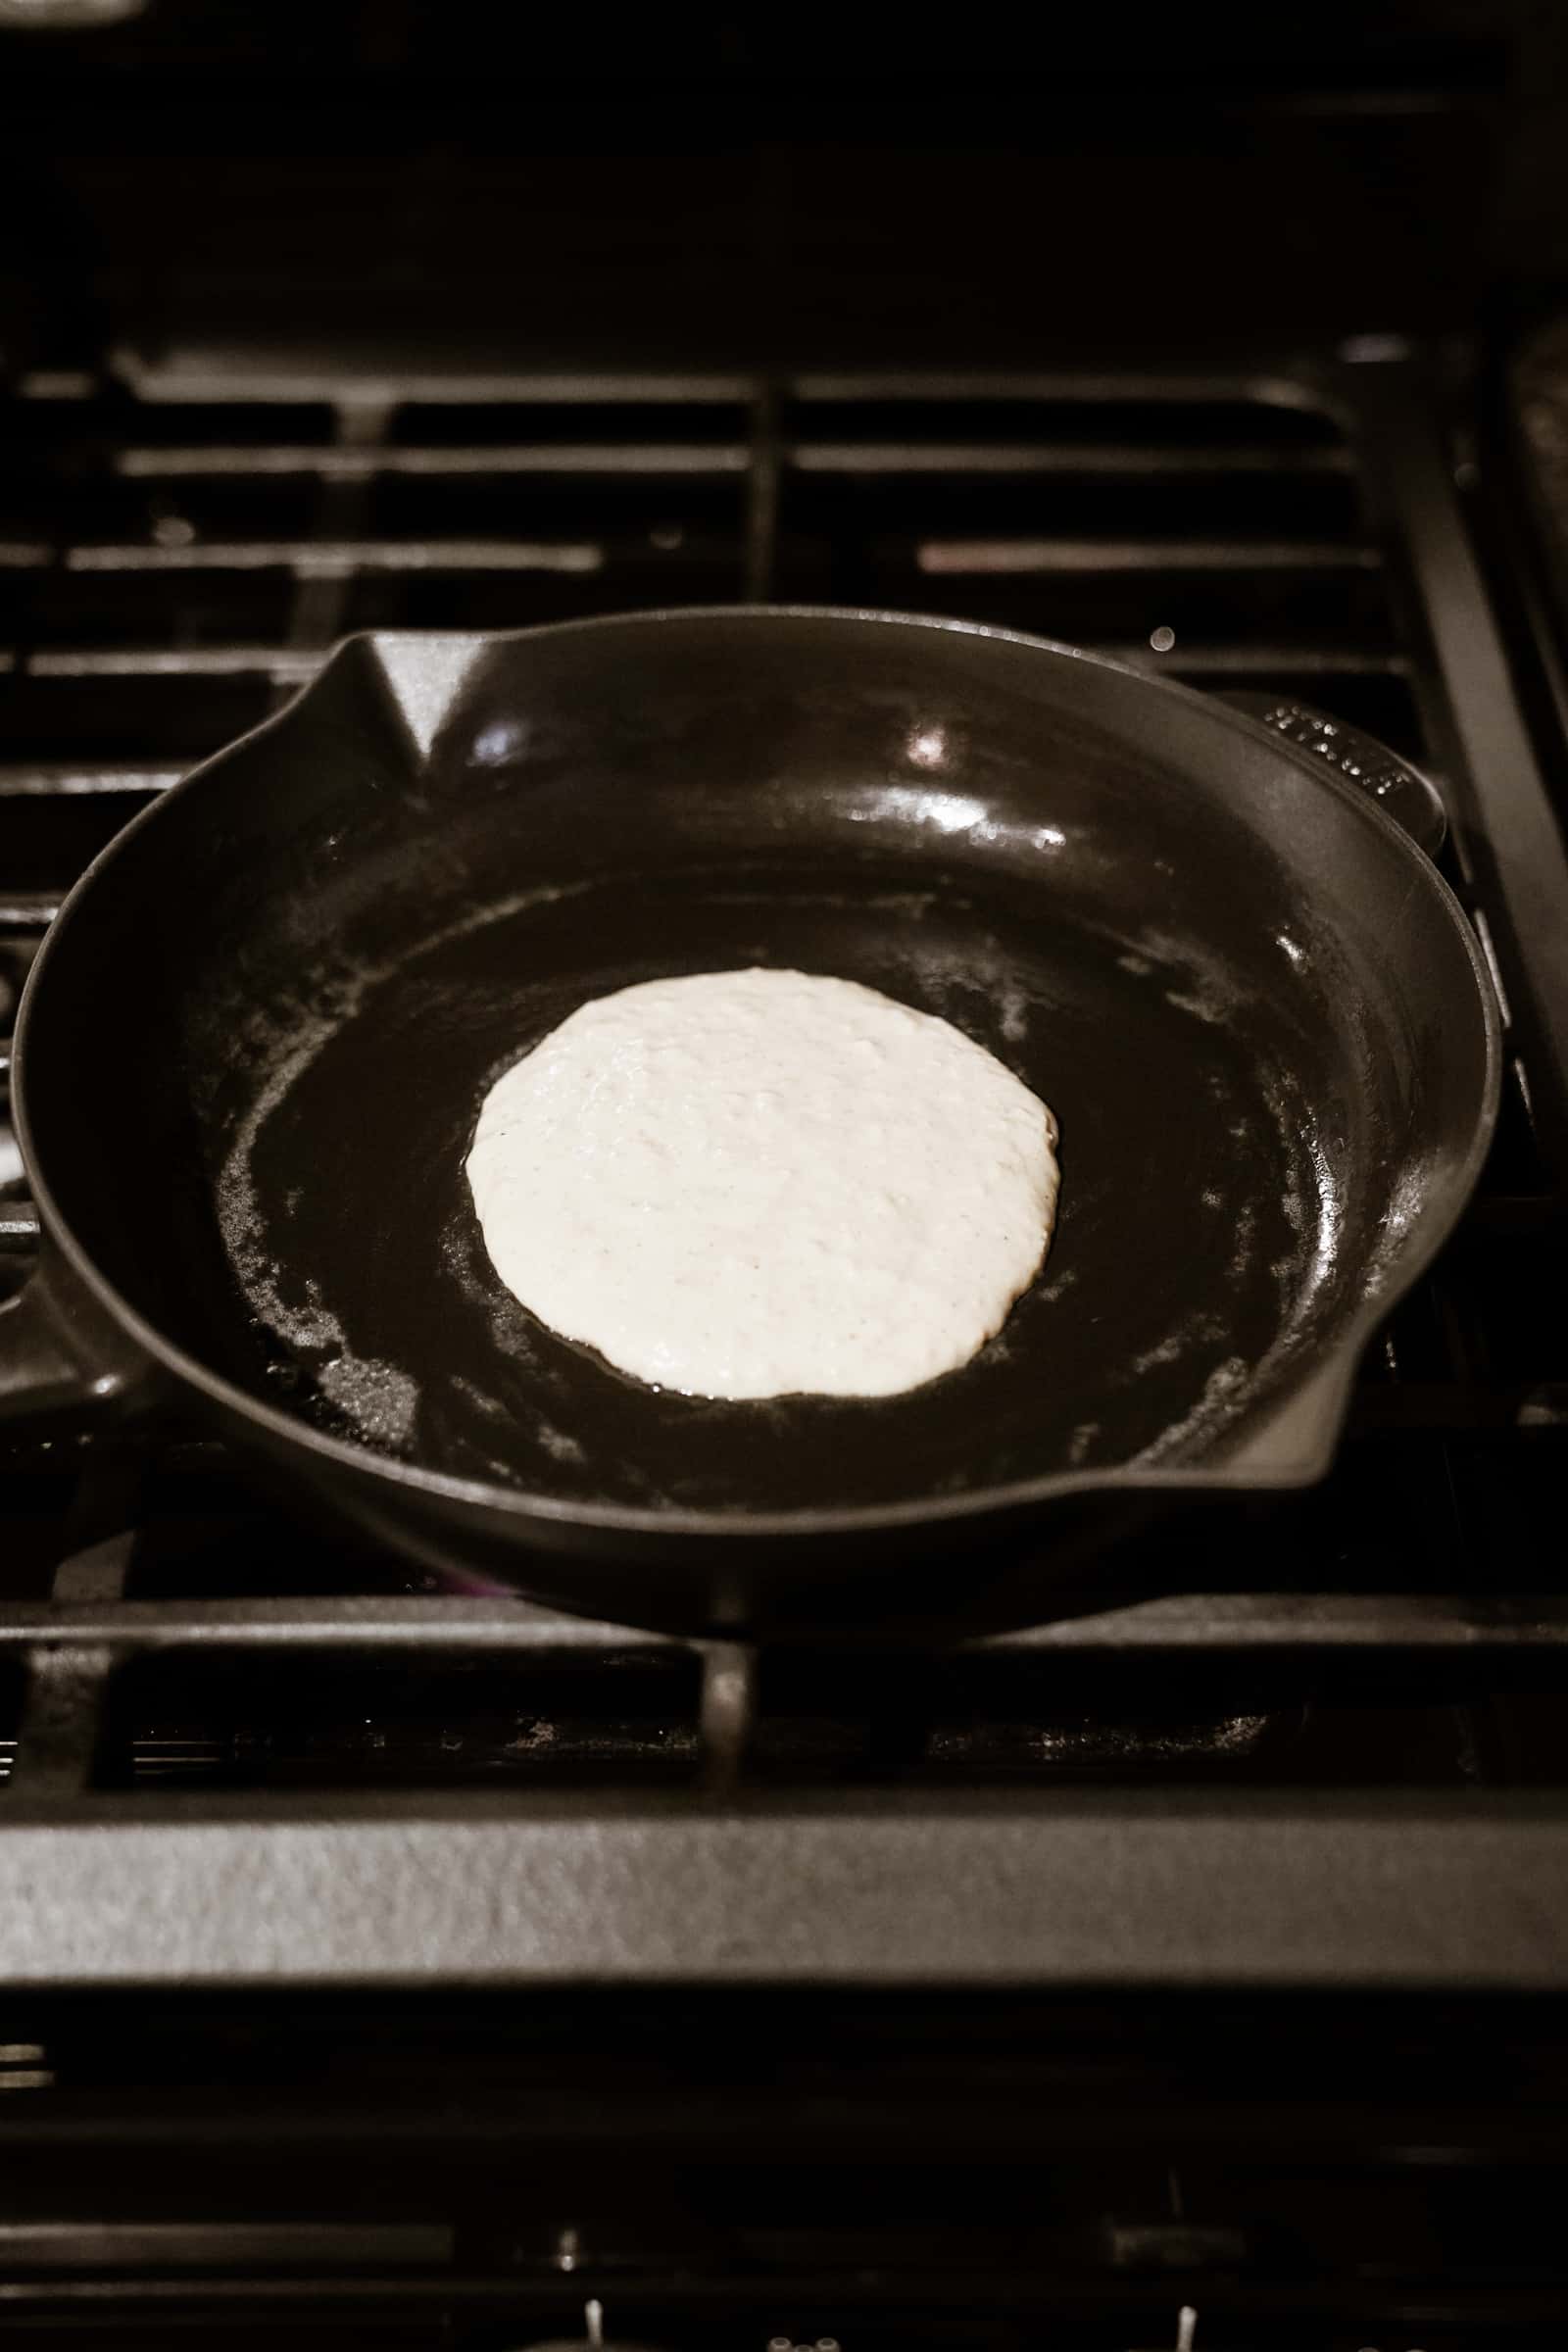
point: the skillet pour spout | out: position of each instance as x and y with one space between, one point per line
1197 932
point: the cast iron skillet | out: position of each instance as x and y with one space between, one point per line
254 1045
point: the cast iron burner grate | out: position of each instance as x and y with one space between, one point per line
1355 1690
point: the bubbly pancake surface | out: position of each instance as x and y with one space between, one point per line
759 1183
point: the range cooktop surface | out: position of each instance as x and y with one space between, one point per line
1329 1753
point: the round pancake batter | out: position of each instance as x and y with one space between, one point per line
762 1183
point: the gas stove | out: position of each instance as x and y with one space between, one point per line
1185 1971
200 535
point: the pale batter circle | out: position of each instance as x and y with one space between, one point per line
758 1183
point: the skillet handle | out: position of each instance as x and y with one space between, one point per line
1401 791
62 1363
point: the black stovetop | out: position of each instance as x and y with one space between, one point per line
1344 1697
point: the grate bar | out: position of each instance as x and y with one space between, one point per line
174 2246
1252 661
57 1738
286 664
1233 1623
63 780
1511 835
761 505
319 585
1174 390
29 910
201 382
349 464
339 559
1139 461
990 556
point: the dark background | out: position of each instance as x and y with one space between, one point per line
806 183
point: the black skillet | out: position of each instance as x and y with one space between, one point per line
1258 1011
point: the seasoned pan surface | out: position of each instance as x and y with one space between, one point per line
1189 1246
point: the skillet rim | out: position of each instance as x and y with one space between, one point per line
1319 1395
